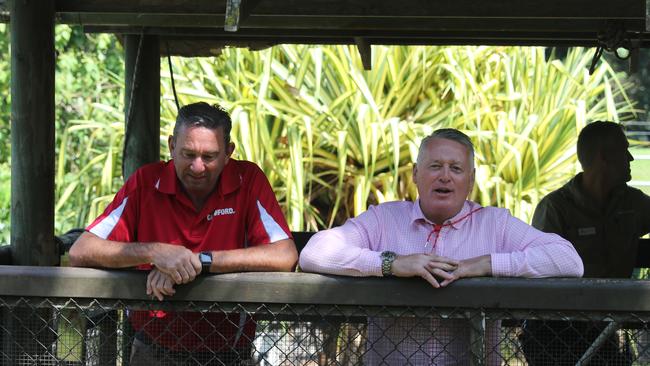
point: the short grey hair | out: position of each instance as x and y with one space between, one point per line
449 134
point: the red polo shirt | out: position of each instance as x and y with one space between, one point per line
151 207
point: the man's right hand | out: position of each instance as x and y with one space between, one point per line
426 266
177 261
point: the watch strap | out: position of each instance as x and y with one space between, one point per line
206 261
387 259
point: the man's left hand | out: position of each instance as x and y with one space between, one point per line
159 284
473 267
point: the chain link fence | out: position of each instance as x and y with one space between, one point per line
56 330
101 332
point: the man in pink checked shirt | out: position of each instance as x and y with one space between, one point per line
440 237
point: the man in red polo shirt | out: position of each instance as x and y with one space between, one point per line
200 212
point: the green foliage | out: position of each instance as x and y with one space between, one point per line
88 169
5 147
90 127
5 98
334 138
524 115
89 74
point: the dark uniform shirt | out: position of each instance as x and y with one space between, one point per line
606 238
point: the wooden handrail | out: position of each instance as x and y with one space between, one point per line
308 288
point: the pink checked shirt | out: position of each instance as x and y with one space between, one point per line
516 249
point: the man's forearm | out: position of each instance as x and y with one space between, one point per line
92 251
478 266
280 256
340 251
550 260
175 260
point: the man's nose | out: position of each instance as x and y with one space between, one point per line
197 165
629 156
444 174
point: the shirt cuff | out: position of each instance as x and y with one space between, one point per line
501 265
372 264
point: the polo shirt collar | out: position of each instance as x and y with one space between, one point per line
574 186
167 181
228 182
230 179
468 206
416 212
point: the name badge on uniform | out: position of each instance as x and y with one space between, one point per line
585 231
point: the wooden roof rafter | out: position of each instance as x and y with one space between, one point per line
413 22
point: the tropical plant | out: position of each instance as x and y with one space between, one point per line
88 169
89 74
524 114
90 127
334 138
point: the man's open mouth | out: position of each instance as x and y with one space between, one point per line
443 190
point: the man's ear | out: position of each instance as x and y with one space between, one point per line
170 145
471 180
230 149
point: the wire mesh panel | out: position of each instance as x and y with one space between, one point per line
54 331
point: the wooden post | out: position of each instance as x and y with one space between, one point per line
32 168
32 133
142 104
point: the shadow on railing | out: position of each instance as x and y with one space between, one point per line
66 316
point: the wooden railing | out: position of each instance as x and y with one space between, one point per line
303 298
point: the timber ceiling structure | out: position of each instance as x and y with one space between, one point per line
198 27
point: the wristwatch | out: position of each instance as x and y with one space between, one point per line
206 261
387 259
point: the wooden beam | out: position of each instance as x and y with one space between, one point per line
142 102
508 22
552 9
350 23
615 295
216 38
248 7
32 132
272 34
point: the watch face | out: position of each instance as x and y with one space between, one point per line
204 258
